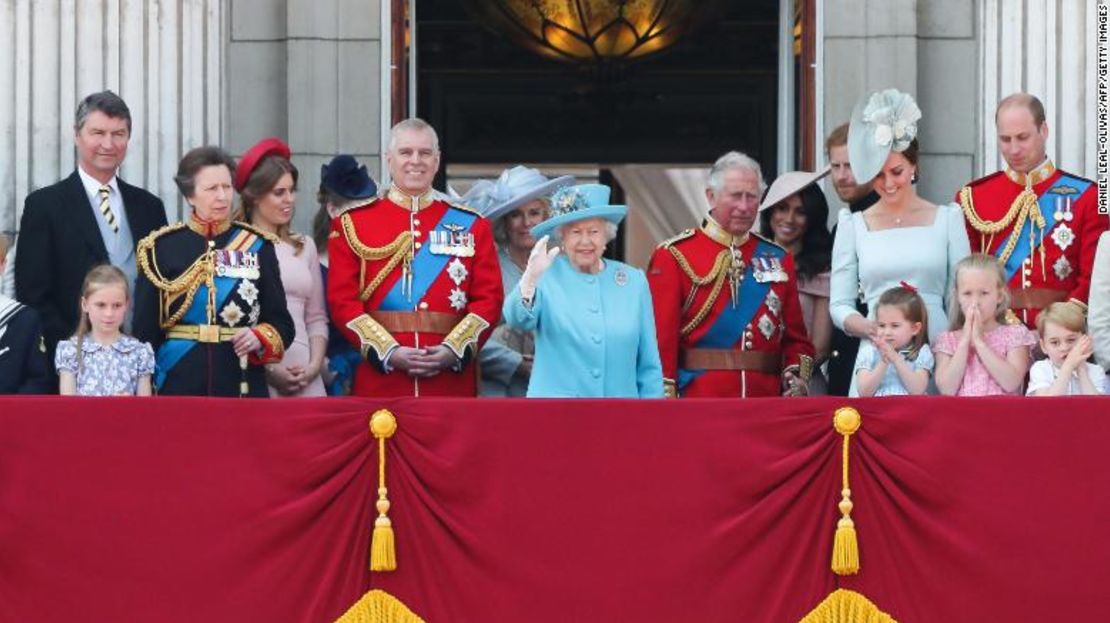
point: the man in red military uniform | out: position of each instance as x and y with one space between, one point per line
1039 221
727 315
413 279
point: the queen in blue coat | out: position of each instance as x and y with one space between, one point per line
592 317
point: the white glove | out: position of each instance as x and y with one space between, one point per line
539 260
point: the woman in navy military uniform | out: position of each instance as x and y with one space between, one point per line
209 297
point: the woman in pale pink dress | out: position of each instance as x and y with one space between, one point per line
794 214
267 185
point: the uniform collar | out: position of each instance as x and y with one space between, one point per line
1034 177
398 196
208 229
718 234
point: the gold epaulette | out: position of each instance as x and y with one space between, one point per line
171 290
458 205
148 241
769 241
669 242
254 230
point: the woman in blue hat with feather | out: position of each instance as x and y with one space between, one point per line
592 317
514 203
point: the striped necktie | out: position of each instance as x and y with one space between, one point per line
106 209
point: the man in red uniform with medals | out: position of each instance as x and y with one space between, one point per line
413 279
1039 221
727 315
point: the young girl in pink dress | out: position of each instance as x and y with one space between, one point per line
982 355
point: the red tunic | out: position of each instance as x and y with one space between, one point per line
1059 266
452 295
682 320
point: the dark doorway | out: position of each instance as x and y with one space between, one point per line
492 101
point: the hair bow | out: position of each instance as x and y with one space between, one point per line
907 286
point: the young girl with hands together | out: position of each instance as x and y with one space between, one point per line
897 361
100 360
982 355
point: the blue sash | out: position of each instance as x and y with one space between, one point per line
173 350
1047 204
728 328
426 266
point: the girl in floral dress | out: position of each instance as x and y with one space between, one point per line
99 360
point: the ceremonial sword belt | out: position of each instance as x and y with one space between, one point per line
203 333
1036 298
727 359
416 322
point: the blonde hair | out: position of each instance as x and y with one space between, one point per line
912 306
3 245
99 277
1067 315
978 261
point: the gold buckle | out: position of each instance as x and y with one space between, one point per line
208 333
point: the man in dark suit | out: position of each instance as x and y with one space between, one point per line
91 217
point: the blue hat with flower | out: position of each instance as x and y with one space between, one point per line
514 187
882 122
578 203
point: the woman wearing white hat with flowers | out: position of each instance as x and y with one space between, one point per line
903 237
516 202
592 317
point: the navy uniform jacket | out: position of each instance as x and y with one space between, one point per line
23 365
254 298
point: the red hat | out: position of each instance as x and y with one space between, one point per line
272 146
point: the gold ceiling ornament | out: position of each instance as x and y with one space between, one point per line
594 31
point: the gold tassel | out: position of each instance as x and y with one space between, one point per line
379 606
845 556
383 556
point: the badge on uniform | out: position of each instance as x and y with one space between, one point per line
454 241
237 264
774 303
1063 236
1062 268
768 269
456 270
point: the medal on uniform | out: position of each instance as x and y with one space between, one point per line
1062 268
457 271
1063 236
766 326
454 241
621 278
774 303
457 298
231 314
237 264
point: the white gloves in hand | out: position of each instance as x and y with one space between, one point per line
538 262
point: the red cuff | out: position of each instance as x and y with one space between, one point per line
273 349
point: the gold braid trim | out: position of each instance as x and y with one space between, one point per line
465 334
170 290
716 274
396 251
1024 207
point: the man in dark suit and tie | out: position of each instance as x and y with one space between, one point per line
91 217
